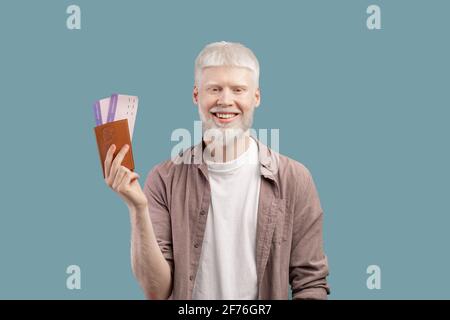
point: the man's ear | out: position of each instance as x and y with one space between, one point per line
257 97
195 95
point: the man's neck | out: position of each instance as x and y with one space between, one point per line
228 152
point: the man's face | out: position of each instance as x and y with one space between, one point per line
226 98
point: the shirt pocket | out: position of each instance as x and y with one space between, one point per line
281 221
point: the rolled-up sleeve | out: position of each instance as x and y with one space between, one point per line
308 267
155 191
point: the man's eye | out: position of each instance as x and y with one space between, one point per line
238 90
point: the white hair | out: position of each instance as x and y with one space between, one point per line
226 54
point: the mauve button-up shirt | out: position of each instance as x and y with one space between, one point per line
289 241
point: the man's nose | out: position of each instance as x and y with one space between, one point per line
225 98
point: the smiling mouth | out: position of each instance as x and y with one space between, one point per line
225 116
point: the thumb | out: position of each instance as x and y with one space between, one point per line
134 176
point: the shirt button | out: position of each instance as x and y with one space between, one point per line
196 245
191 277
202 212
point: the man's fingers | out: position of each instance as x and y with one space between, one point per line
116 164
130 176
108 159
121 172
134 176
118 159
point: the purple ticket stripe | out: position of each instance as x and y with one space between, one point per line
98 114
112 107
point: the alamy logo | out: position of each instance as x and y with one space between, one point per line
74 279
217 139
374 280
73 21
374 20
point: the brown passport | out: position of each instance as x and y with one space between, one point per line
115 132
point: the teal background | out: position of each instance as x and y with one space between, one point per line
366 111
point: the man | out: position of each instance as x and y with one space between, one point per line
229 218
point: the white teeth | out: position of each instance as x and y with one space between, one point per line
225 115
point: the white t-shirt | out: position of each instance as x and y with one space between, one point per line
227 266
